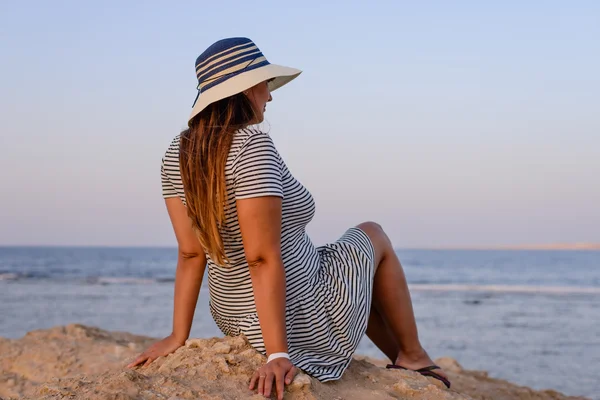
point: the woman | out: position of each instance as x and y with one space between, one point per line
235 207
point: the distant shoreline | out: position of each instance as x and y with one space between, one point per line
555 246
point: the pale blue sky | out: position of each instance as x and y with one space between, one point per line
450 123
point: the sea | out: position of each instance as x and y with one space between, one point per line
530 317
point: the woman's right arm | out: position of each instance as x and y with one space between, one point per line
191 262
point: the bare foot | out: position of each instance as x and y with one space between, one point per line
417 360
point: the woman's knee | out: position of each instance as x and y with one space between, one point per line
381 241
373 229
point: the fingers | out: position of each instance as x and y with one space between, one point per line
148 361
267 378
140 359
161 348
254 380
279 377
261 383
144 360
269 384
289 377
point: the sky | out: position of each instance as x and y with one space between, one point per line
461 123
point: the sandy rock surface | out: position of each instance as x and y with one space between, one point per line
79 362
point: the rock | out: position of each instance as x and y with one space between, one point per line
238 342
248 353
301 381
79 362
132 376
449 364
221 348
231 359
221 365
195 343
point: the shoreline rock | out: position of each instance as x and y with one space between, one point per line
80 362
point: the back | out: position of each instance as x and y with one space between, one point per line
254 168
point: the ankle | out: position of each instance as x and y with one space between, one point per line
411 354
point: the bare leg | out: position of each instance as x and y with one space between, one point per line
391 300
380 334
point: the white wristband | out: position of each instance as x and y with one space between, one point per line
277 355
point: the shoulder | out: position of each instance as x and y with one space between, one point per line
170 160
173 149
250 141
248 135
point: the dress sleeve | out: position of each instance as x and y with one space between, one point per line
168 189
257 170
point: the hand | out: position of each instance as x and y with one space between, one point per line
280 370
161 348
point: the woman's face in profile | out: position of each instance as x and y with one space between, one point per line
259 95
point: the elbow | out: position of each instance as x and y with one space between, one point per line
259 259
186 255
255 262
191 261
190 254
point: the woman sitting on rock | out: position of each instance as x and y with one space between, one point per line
236 207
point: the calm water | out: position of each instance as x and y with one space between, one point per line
531 317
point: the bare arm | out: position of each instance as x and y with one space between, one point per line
258 185
191 262
260 225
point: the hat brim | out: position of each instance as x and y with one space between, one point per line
280 76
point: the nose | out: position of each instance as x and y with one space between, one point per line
270 98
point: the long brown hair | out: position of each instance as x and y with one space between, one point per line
203 153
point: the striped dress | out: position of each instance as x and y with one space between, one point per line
328 288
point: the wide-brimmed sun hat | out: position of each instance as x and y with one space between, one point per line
231 66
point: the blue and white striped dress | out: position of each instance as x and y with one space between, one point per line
328 288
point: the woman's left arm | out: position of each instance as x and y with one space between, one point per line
260 224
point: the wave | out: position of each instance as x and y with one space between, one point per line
105 280
505 288
9 276
423 285
165 280
90 280
16 276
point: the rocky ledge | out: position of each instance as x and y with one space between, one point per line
79 362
